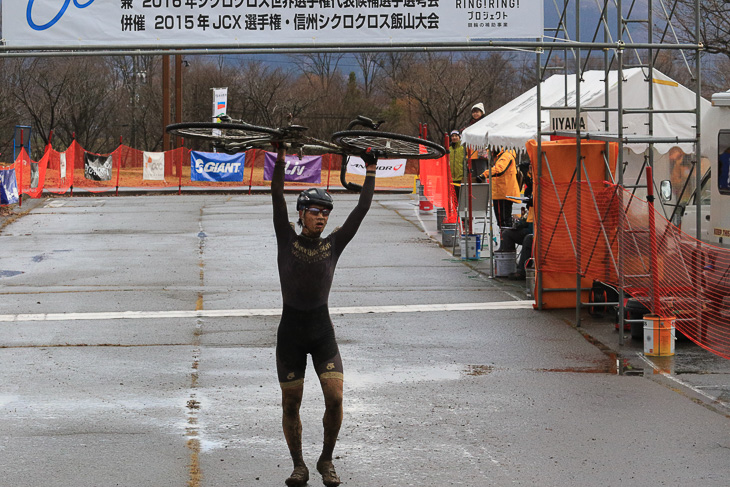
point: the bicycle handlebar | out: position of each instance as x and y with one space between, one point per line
364 122
343 176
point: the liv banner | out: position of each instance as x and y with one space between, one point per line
306 170
232 23
212 166
387 168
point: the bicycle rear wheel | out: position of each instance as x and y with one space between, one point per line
387 145
225 132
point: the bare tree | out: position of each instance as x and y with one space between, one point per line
440 89
39 85
714 24
9 116
370 64
322 68
265 95
89 105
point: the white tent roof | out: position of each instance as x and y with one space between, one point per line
516 122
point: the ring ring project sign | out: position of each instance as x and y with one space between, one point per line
177 23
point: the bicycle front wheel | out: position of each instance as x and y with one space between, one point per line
225 132
387 145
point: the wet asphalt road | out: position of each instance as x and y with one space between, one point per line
183 391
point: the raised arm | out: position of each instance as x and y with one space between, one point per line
349 228
281 217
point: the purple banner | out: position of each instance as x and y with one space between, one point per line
306 170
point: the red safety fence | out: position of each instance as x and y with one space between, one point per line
435 176
62 172
668 271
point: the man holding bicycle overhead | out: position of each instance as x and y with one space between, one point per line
306 264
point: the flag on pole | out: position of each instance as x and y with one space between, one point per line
220 102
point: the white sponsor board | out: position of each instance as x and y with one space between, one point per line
63 165
565 120
168 23
154 166
387 168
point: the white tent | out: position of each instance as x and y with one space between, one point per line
516 122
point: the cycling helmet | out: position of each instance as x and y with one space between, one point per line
314 196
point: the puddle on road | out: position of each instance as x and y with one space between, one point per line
10 273
440 372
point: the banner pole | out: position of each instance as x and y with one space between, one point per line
179 171
329 170
653 258
119 163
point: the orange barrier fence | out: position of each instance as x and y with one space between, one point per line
435 177
672 274
62 172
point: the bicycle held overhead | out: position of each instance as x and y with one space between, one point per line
233 136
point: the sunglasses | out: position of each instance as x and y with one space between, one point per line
317 211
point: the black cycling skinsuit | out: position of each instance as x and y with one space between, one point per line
306 268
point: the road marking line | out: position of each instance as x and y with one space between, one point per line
226 313
671 377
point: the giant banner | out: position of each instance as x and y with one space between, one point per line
233 23
212 166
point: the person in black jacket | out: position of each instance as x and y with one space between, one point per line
306 264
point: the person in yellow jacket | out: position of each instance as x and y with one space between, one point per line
504 185
457 154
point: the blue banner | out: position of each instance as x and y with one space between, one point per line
8 187
213 166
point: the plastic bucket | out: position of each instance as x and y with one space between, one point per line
440 215
504 263
470 246
424 204
448 233
659 335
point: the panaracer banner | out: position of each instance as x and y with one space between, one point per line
386 168
232 23
212 166
308 169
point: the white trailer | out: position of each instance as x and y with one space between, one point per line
716 149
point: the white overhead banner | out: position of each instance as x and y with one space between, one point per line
175 23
